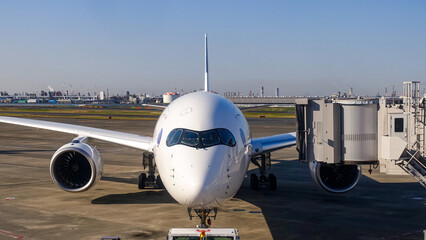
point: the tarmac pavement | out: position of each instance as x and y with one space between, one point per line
33 207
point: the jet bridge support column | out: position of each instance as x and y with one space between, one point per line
337 131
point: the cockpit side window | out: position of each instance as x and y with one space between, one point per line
190 138
226 137
174 137
200 139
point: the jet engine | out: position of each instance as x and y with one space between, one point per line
76 166
335 178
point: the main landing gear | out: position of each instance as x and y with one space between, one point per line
203 214
150 180
263 161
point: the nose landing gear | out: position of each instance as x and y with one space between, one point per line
203 214
150 180
263 161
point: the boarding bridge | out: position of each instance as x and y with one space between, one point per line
385 132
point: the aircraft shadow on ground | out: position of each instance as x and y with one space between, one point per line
373 210
120 180
146 196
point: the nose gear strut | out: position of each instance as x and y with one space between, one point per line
203 214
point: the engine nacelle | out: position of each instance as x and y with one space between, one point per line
76 166
335 178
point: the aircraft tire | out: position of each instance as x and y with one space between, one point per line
272 182
159 182
254 182
142 181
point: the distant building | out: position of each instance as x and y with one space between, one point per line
170 97
133 99
262 92
277 92
230 94
101 95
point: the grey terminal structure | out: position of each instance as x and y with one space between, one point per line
383 132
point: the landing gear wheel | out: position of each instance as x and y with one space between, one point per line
159 182
254 182
272 182
142 181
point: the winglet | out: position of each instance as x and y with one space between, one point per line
206 67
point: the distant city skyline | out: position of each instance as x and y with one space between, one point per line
300 47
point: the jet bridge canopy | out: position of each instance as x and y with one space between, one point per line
337 131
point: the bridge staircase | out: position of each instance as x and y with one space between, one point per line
413 159
414 164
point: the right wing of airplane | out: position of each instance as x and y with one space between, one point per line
272 143
126 139
242 108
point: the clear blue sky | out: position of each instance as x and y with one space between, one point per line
302 47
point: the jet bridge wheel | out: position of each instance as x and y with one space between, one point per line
142 181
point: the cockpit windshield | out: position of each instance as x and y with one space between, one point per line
200 139
190 138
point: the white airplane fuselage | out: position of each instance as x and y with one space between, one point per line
195 175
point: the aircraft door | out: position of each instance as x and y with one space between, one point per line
398 125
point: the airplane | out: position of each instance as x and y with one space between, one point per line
201 148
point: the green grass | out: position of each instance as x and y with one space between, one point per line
95 117
272 109
268 115
136 112
128 114
270 112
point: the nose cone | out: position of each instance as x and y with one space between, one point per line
199 190
199 180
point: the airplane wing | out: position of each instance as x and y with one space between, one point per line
253 107
126 139
154 105
272 143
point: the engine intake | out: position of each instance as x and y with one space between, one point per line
335 178
76 167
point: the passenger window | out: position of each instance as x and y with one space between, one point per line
399 124
190 138
210 138
173 137
226 137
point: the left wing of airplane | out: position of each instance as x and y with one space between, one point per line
126 139
272 143
154 105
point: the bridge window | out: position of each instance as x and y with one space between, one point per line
399 125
